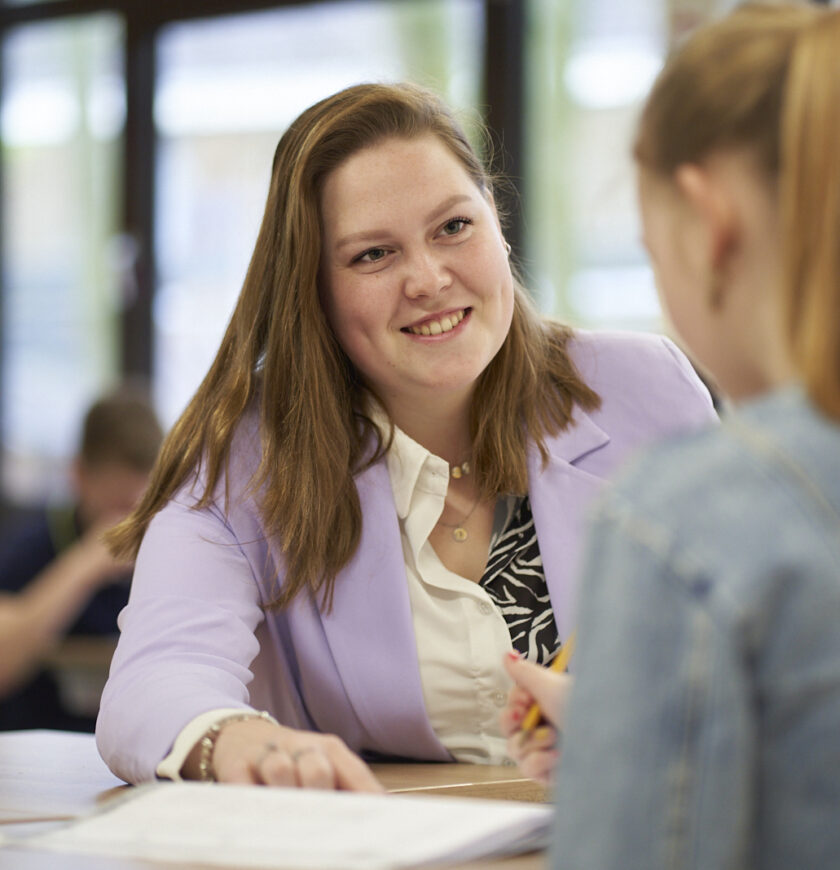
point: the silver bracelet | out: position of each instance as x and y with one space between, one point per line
206 772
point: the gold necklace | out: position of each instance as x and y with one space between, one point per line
459 533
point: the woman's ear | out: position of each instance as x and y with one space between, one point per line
707 196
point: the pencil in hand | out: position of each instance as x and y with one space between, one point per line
560 663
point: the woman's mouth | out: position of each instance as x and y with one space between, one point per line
438 326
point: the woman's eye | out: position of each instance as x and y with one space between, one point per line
453 227
372 255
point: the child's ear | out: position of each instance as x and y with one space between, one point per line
710 201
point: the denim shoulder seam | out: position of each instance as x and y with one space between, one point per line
759 443
679 557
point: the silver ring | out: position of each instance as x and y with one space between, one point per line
268 748
298 752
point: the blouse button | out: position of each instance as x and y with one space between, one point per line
499 698
485 608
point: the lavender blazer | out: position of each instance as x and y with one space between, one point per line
195 636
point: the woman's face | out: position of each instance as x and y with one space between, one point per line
415 278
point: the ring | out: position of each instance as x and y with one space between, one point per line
268 748
298 752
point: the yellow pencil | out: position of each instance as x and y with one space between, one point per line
560 663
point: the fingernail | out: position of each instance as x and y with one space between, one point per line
516 715
513 655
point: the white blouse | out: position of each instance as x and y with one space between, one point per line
461 635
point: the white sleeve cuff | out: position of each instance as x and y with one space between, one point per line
190 734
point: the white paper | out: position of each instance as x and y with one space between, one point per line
257 827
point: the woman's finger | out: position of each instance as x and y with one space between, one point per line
511 718
523 747
274 766
519 696
237 772
351 773
540 765
313 769
513 714
549 689
544 737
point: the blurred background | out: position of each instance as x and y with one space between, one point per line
136 140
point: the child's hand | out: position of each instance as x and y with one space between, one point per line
95 566
536 753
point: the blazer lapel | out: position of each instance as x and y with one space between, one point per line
370 631
561 494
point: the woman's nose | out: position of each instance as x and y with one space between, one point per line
426 275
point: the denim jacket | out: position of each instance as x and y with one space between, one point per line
704 724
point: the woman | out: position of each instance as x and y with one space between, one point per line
385 410
703 729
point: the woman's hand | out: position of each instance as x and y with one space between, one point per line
536 752
259 752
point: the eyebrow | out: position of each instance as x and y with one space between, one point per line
373 234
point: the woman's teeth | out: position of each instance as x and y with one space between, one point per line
437 327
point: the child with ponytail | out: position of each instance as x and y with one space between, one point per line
703 726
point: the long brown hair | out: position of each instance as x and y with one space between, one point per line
279 351
767 78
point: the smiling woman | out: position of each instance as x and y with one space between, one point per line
379 487
420 298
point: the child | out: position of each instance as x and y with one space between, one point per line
703 729
56 574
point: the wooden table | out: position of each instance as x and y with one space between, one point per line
46 776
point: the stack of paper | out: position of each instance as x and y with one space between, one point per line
251 826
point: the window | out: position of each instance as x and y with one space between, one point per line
61 117
590 66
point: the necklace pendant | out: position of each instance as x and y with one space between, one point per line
459 534
459 471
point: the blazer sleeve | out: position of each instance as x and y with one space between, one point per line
187 639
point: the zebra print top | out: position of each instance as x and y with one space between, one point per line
515 581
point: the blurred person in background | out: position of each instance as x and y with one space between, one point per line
57 577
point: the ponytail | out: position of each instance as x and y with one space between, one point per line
810 210
767 78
